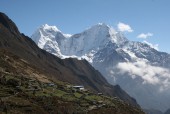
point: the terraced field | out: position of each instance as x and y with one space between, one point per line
20 94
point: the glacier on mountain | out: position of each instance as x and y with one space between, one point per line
137 67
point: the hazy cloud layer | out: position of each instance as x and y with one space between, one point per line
124 27
155 46
145 36
149 74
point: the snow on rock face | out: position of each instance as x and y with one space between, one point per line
45 33
82 44
138 68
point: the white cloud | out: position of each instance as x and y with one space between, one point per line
155 46
144 36
149 74
124 27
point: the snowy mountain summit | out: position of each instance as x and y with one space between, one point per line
78 45
138 68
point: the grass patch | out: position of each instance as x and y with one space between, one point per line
78 95
93 97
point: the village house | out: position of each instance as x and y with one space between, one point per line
81 88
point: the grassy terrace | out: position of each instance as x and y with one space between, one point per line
20 94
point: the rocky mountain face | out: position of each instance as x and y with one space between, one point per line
138 68
21 56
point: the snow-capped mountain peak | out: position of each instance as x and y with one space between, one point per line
103 32
44 34
93 38
46 27
100 26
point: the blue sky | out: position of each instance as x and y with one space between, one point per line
150 17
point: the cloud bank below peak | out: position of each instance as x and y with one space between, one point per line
149 74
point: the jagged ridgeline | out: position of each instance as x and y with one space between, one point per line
35 81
